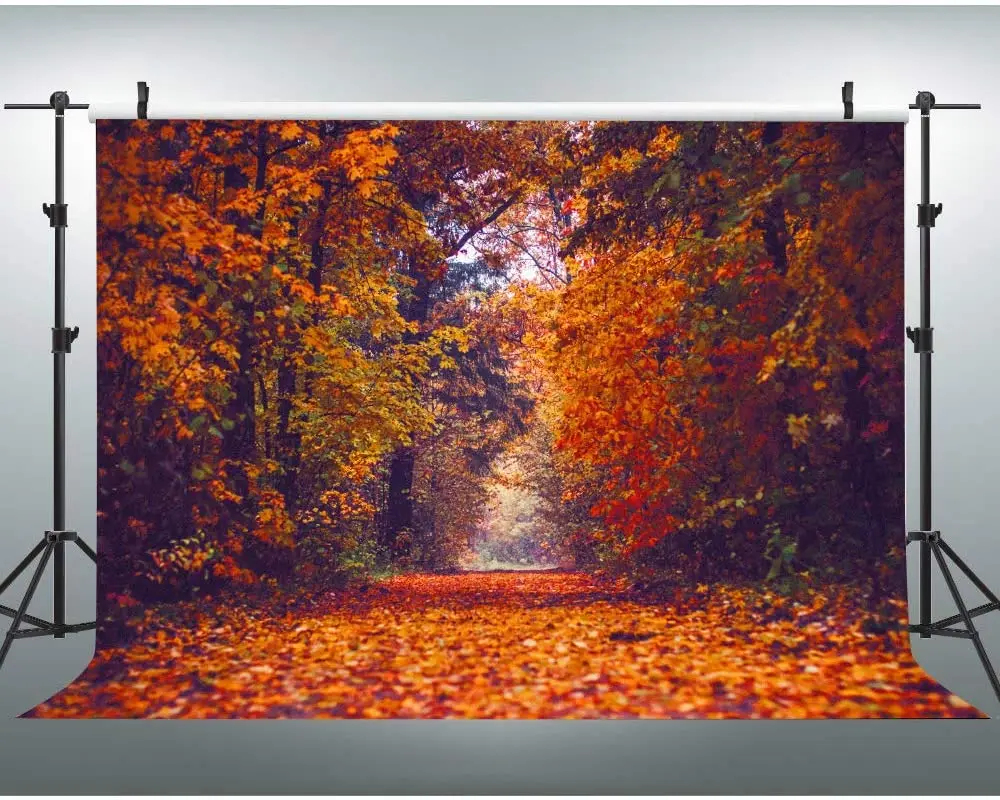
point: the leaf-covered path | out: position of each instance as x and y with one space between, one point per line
512 645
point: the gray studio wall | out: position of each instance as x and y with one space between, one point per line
774 54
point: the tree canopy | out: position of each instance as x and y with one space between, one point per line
329 349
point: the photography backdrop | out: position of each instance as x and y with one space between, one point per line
447 418
793 52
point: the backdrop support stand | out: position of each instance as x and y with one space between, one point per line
53 543
932 545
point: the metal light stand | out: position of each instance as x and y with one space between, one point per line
53 543
931 542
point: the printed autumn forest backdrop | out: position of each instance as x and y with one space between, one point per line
500 420
338 350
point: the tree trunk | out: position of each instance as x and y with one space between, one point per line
866 473
241 442
399 511
416 309
399 515
288 441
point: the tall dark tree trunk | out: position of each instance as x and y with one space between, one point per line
774 229
775 237
289 441
866 473
399 510
417 309
873 463
241 442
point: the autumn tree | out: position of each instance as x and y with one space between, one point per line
715 350
461 179
327 344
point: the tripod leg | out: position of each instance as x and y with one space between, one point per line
89 552
25 602
968 572
22 566
59 587
985 659
970 627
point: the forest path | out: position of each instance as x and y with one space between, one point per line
511 644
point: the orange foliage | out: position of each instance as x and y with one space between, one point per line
664 354
512 645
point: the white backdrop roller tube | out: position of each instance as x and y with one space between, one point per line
657 112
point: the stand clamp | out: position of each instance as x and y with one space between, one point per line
55 537
63 338
57 213
847 97
926 101
922 338
927 213
142 106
